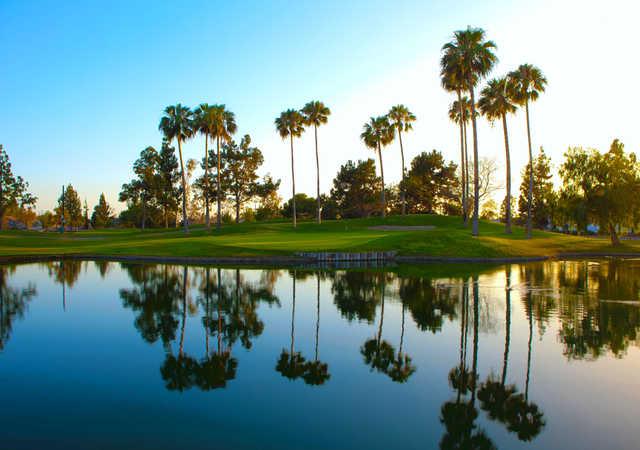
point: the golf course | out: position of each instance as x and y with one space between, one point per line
425 235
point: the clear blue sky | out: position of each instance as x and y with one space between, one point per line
83 84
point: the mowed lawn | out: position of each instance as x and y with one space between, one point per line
448 238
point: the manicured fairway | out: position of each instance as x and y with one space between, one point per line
448 238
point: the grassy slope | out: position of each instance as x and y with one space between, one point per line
449 238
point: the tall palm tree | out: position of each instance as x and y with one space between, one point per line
401 119
528 84
460 113
315 113
471 57
203 123
177 124
291 124
496 101
224 126
378 133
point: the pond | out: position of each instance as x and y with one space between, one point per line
114 355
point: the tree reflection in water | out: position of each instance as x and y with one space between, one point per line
13 303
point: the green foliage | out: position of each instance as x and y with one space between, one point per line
240 177
102 216
72 208
305 207
14 192
168 192
355 189
267 192
543 194
431 185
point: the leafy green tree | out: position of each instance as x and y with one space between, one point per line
177 124
306 207
102 213
378 133
401 120
13 190
607 185
315 113
290 124
167 193
468 58
204 123
355 189
528 83
267 192
72 207
496 101
240 177
143 189
543 195
431 184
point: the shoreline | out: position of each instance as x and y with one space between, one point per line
299 260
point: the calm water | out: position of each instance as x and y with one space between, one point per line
106 355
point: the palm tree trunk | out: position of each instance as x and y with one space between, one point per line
293 315
530 195
476 324
463 167
317 316
293 183
382 195
185 223
507 225
184 309
237 207
206 314
530 316
466 170
507 333
476 176
206 181
319 207
218 287
219 200
615 240
402 192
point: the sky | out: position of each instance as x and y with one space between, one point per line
83 84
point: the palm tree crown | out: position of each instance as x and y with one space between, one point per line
468 57
460 110
377 133
290 123
496 99
223 122
528 83
401 118
315 113
177 123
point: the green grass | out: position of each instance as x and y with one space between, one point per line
449 238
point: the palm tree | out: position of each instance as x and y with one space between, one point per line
316 113
177 124
204 123
224 126
401 119
470 57
528 84
496 101
291 124
376 134
460 113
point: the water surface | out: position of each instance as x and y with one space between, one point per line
109 355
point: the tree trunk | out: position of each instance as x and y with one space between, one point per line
476 325
530 195
293 315
615 240
293 183
507 225
184 309
144 214
185 222
166 218
403 195
218 199
382 194
319 206
463 166
317 316
476 177
466 170
237 208
507 333
206 181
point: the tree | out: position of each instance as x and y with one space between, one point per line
315 113
470 57
528 84
291 124
168 193
13 190
224 125
176 124
378 133
102 213
305 206
267 192
495 103
430 184
72 207
143 188
460 113
607 185
542 195
355 189
240 178
204 123
401 120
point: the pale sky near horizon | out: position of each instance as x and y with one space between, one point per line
83 86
